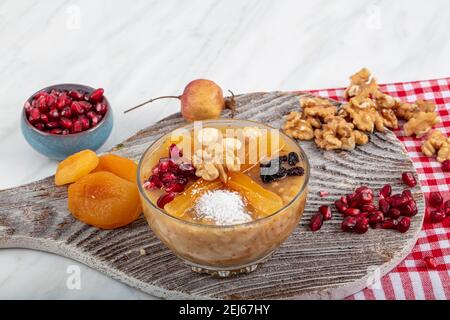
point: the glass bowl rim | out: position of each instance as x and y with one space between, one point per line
82 133
221 121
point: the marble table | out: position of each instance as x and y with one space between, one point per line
141 49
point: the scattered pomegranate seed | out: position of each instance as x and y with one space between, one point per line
348 224
364 189
409 209
397 200
326 212
389 224
394 213
165 199
362 225
352 212
323 194
365 197
316 222
447 208
407 193
340 206
403 224
430 262
96 95
352 201
437 216
408 179
368 207
446 166
386 191
435 199
384 205
175 187
376 218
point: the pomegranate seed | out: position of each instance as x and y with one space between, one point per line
437 216
323 194
446 166
447 208
28 108
95 118
403 224
364 215
155 171
340 206
76 108
96 95
165 199
435 199
407 193
326 212
84 122
63 101
351 200
430 262
389 224
175 187
66 112
42 104
40 94
386 191
56 131
163 165
365 197
186 169
65 132
368 207
352 212
39 126
316 222
86 105
168 178
394 213
76 94
408 179
383 205
348 224
397 200
66 123
76 126
182 179
52 124
409 209
364 189
344 200
154 183
362 225
100 108
51 101
376 218
54 114
35 115
174 151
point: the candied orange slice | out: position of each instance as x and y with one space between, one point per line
185 200
104 200
75 167
120 166
264 201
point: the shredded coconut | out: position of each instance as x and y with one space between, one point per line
223 207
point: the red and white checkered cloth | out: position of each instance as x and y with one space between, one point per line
411 279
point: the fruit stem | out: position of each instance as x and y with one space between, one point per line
151 100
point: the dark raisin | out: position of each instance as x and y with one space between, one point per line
293 158
295 171
266 178
283 158
264 164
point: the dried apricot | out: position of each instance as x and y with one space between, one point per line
75 167
120 166
104 200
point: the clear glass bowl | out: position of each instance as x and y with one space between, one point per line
223 250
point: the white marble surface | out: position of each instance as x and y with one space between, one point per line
140 49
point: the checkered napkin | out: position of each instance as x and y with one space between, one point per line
411 279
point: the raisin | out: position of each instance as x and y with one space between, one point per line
295 171
293 158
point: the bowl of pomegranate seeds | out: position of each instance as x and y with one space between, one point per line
63 119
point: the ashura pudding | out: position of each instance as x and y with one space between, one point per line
223 194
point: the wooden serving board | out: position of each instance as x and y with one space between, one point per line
324 264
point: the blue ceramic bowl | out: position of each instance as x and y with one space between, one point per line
59 147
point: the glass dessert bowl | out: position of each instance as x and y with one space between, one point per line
223 194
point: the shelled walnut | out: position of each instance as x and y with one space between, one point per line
420 123
338 134
437 144
298 128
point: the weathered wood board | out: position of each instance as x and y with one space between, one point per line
324 264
